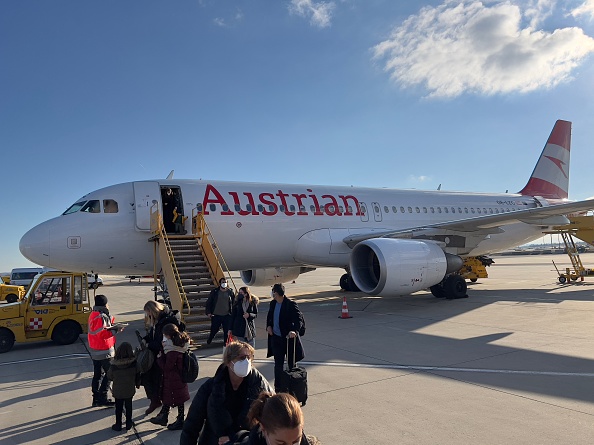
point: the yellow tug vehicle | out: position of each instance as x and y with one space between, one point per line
475 267
56 307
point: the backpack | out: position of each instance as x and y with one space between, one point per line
190 368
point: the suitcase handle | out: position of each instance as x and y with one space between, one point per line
289 367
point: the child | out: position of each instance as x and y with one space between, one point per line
122 371
174 390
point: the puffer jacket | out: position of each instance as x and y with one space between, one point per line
124 376
255 437
174 390
208 409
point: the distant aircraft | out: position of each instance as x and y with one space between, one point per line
390 242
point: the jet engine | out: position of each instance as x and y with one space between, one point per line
391 267
264 277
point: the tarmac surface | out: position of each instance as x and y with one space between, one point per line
511 364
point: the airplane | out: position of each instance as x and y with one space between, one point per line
389 242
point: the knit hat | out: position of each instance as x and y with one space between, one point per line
100 300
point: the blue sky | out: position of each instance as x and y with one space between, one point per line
357 92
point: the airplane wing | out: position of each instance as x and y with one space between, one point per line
545 216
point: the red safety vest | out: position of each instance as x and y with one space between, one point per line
100 339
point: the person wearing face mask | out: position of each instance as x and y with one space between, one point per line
219 409
243 314
276 420
218 308
174 390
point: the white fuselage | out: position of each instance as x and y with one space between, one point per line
259 225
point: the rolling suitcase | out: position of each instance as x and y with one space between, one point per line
294 378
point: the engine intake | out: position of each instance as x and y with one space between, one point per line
270 276
391 267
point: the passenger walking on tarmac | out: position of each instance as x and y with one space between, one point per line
284 320
125 378
175 390
218 308
156 316
276 419
101 337
243 314
219 409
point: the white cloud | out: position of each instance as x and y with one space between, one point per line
586 8
466 46
420 178
219 22
320 13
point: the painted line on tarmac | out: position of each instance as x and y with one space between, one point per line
429 368
16 362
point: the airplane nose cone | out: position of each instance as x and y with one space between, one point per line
35 245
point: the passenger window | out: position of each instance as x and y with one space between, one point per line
432 209
465 209
439 210
410 210
424 209
376 209
260 208
445 209
312 209
349 209
386 209
394 209
213 207
248 207
302 208
225 207
484 211
472 209
401 209
282 208
110 206
459 209
199 207
237 207
478 210
292 207
453 210
92 206
417 210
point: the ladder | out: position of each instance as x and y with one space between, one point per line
192 266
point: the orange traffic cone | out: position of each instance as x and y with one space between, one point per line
345 309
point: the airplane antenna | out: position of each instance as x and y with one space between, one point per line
439 187
170 175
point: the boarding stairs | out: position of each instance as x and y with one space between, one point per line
191 266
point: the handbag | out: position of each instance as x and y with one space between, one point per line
145 358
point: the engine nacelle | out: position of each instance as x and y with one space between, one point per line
264 277
391 267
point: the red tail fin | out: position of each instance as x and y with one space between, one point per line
550 178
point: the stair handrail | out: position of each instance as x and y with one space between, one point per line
163 235
203 235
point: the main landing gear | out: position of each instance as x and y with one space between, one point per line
347 283
452 287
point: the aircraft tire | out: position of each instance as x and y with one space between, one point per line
6 340
352 287
438 291
66 332
455 287
344 281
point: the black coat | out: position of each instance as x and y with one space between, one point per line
211 302
208 409
255 437
238 322
289 320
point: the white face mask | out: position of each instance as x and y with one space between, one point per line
242 368
223 285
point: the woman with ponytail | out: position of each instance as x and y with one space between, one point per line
276 420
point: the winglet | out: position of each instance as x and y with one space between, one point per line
550 178
170 175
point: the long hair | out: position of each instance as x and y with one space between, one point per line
274 412
152 310
123 351
179 338
249 296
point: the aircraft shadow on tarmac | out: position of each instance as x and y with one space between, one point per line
479 360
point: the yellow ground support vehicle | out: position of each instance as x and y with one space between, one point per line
10 293
475 268
56 307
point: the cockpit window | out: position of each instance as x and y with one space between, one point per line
110 206
91 207
74 207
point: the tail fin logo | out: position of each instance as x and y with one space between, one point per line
559 163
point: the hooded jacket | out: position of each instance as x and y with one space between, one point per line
101 338
124 376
